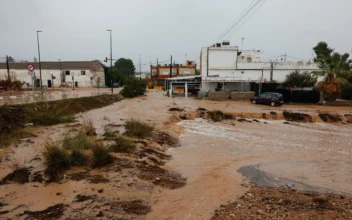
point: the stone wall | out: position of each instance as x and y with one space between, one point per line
235 96
219 96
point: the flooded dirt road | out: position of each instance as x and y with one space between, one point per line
314 156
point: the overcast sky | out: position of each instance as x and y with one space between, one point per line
76 29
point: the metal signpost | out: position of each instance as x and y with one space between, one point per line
31 72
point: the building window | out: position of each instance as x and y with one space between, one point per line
249 59
83 72
67 73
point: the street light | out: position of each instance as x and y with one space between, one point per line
40 67
112 88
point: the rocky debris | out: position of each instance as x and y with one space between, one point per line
52 212
296 116
137 207
20 175
164 138
273 113
176 110
88 177
166 179
100 214
82 198
201 109
217 115
274 203
100 190
326 117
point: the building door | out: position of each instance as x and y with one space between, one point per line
76 84
49 83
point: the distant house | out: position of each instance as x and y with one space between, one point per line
162 72
224 67
64 73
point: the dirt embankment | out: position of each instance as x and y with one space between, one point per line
282 203
16 117
217 115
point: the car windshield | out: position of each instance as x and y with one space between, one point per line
263 95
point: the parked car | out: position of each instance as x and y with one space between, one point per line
116 85
268 98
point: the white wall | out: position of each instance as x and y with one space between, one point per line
83 80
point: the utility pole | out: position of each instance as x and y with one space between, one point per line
140 67
40 67
285 57
112 87
8 68
171 67
242 42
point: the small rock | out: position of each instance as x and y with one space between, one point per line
157 178
100 214
232 215
250 195
100 190
280 201
260 212
239 205
58 193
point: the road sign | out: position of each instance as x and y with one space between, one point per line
30 67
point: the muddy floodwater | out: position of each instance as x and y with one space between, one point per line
216 158
309 156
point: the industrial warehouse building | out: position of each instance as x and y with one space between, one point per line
58 74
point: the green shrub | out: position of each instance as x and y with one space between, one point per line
56 161
101 157
78 158
78 141
346 92
134 87
122 145
136 128
109 134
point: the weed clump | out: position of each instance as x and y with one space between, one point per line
100 157
78 158
57 160
122 145
78 141
88 128
136 128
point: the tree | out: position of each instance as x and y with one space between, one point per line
35 59
11 59
336 69
300 80
125 67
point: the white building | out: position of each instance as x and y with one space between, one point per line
225 67
65 73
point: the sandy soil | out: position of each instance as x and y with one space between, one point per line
208 158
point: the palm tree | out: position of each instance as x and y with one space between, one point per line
335 68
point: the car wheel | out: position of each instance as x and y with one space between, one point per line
254 102
272 104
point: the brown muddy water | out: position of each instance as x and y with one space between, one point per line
308 156
212 156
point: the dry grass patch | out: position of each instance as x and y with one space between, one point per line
138 129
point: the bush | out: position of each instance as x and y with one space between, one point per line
122 145
134 87
346 92
57 160
78 158
14 85
101 157
79 141
136 128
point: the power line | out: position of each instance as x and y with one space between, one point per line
241 18
228 26
261 4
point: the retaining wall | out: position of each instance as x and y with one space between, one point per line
235 96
